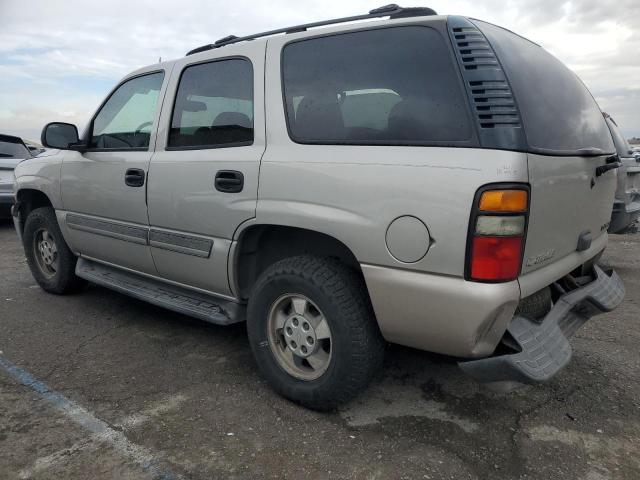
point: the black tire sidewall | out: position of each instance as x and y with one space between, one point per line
316 393
64 279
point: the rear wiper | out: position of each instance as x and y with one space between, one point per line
589 152
613 162
5 155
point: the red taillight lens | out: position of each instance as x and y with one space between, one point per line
497 233
496 258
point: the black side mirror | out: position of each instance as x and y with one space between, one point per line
59 135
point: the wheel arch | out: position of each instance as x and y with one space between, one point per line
261 245
27 200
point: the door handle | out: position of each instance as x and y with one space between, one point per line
229 181
134 177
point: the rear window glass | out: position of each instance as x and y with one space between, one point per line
559 114
386 86
13 150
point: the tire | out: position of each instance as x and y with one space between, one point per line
335 293
51 262
535 306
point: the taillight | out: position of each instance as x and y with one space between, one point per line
497 233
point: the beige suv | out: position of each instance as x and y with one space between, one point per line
433 181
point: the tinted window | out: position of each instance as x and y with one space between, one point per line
13 150
126 120
558 112
214 106
384 86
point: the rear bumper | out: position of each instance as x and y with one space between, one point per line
545 348
439 313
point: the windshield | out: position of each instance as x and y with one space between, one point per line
13 150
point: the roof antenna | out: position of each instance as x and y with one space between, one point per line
159 59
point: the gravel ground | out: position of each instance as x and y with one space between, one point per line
130 391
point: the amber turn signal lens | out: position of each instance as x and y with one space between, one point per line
504 201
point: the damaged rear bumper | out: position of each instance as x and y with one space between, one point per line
543 346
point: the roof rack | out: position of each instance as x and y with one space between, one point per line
392 11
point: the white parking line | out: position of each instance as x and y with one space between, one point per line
166 405
99 429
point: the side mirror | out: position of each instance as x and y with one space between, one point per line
59 135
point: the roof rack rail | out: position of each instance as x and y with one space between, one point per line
392 11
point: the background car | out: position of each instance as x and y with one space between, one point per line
35 148
12 151
626 206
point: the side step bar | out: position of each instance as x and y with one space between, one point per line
178 299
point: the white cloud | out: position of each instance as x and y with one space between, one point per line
43 55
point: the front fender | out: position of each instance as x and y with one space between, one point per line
40 174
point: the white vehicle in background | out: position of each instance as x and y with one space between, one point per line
35 148
12 151
626 206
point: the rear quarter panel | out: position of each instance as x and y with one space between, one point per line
353 193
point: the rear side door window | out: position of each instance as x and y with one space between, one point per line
213 106
125 121
389 86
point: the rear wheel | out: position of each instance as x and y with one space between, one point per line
535 306
51 262
313 332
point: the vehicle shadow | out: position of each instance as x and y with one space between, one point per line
6 224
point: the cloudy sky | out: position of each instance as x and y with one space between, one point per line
58 59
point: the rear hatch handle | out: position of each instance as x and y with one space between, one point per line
613 162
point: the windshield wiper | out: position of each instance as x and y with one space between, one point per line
613 162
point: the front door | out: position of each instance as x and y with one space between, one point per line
104 188
203 178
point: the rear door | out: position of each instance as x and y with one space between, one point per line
203 178
568 140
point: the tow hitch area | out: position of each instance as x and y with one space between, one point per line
542 348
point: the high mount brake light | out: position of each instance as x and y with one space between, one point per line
497 234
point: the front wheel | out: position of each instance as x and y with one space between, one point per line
313 332
51 262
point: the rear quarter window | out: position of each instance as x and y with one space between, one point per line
389 86
558 112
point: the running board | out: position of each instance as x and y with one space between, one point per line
205 307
